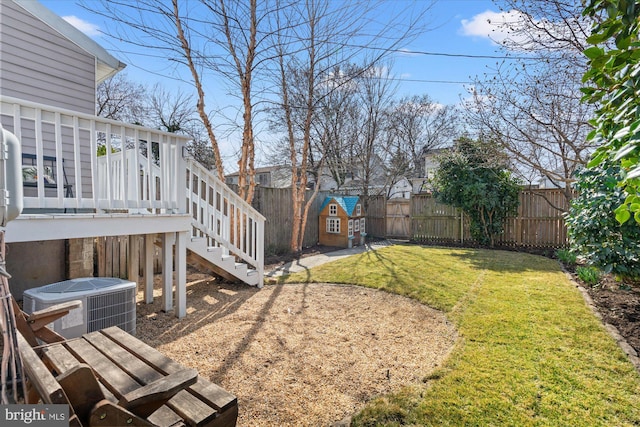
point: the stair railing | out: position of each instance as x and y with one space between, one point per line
224 218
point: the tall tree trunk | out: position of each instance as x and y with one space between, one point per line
196 81
246 163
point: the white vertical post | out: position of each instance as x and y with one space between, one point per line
134 259
77 163
181 274
148 268
260 252
181 180
168 240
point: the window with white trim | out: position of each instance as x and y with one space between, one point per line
356 227
333 210
351 227
333 225
358 210
362 225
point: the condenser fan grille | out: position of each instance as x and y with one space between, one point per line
80 285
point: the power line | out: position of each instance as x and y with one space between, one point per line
463 55
400 51
399 79
402 79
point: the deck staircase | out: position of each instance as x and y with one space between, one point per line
215 258
227 233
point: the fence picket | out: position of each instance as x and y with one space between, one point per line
536 225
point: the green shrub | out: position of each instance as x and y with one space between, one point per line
474 177
566 257
594 233
589 275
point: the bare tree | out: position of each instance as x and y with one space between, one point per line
417 124
266 43
209 37
176 113
312 40
368 154
171 112
334 130
539 121
530 103
119 98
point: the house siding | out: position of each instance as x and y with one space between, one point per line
28 142
39 65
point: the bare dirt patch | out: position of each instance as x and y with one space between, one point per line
619 305
299 355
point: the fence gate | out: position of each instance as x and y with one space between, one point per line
398 219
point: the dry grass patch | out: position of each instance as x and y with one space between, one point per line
300 355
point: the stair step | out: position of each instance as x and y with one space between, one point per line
252 278
214 252
240 268
226 264
198 243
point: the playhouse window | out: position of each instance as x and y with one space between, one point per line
333 210
362 225
351 227
358 210
333 225
356 227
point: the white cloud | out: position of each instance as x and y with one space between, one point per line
489 24
518 31
475 101
84 26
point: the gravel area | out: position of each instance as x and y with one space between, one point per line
299 354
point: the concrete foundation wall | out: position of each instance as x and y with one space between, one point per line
35 264
80 261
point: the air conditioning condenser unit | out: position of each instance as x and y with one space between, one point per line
106 301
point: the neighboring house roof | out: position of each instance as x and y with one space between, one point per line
261 170
106 64
347 203
279 176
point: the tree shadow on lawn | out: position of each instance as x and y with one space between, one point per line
499 260
379 257
504 261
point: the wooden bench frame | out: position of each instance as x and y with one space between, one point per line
110 378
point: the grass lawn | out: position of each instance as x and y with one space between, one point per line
530 351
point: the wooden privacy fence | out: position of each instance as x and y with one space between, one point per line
376 210
112 255
276 206
537 224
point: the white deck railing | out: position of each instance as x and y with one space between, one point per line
140 170
223 218
69 174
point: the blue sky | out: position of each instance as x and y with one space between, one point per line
459 27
